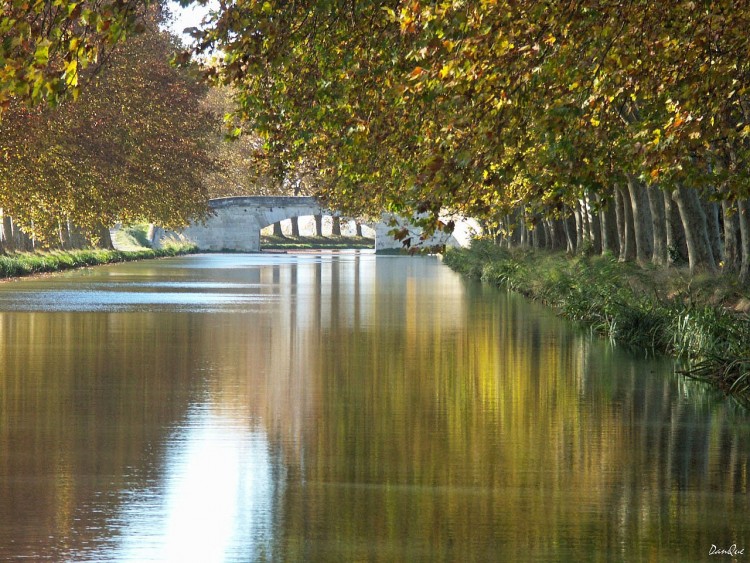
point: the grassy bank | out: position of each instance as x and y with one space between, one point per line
29 263
314 242
703 321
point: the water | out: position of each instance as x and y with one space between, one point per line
343 407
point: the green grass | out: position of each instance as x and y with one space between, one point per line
663 312
132 237
30 263
314 242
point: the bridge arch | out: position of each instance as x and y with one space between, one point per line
234 224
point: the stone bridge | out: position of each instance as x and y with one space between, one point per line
234 224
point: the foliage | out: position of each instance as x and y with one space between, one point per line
122 153
240 168
485 105
48 47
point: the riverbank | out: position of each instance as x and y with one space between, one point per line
29 263
705 322
314 242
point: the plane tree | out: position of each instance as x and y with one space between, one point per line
132 147
493 107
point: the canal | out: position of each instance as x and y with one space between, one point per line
345 407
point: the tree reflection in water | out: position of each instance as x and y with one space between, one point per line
345 407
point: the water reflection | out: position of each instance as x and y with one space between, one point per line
342 407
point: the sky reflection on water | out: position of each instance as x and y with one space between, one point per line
214 502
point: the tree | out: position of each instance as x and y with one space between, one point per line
121 153
502 110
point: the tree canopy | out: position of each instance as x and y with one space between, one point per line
480 103
499 109
133 147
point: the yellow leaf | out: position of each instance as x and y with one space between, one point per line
71 73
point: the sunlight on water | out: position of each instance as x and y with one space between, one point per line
215 503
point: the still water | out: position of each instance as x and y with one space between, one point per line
344 407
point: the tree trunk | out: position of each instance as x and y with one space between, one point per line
318 225
277 231
579 227
76 238
595 229
104 238
641 220
22 241
743 206
625 226
588 229
619 222
336 226
676 245
585 226
62 236
732 254
523 232
561 237
711 209
569 244
537 236
549 242
358 228
500 232
558 234
659 225
608 224
295 227
66 236
8 239
693 219
514 233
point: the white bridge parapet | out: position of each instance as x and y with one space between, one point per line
234 224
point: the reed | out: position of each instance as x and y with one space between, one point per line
632 306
